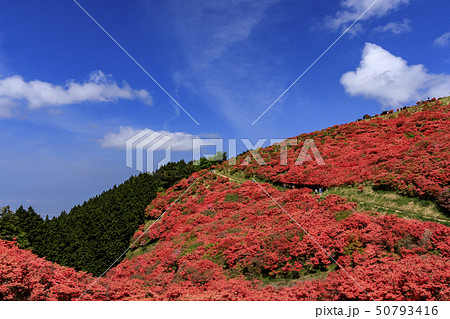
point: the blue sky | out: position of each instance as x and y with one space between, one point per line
70 97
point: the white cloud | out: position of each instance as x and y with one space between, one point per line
396 27
179 141
391 81
443 39
352 9
38 94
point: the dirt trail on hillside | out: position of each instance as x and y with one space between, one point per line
230 178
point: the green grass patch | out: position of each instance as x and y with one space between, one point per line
231 197
445 100
389 202
307 273
191 248
353 246
209 212
141 250
342 215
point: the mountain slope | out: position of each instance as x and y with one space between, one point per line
228 235
228 241
224 241
212 238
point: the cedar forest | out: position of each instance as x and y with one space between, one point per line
246 231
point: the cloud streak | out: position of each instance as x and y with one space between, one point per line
395 27
443 39
211 27
391 81
38 94
352 9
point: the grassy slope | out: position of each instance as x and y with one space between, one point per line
368 199
389 202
